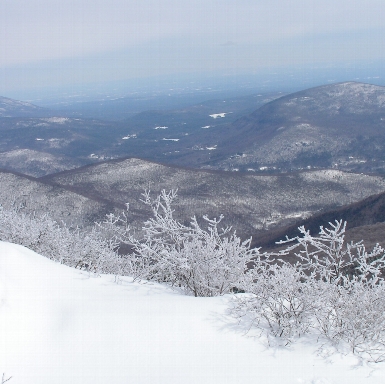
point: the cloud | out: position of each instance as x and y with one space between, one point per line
46 29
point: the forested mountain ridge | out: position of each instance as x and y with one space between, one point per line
339 126
250 203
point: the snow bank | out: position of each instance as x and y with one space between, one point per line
59 325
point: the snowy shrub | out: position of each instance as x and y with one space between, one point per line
336 290
353 314
85 250
280 300
351 289
332 259
202 262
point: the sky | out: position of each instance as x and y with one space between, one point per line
53 43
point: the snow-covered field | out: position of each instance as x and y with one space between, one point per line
59 325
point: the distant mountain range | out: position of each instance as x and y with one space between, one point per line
264 161
15 108
339 126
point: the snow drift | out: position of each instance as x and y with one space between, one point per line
61 325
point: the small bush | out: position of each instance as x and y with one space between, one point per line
280 300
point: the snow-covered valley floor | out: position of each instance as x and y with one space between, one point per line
59 325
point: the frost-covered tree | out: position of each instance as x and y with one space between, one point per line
202 262
334 260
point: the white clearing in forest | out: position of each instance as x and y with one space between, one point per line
129 137
57 120
59 325
217 115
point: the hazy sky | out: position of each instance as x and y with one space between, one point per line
56 42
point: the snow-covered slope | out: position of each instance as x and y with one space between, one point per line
58 325
35 163
58 203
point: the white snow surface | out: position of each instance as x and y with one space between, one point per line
217 115
133 136
60 325
57 120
